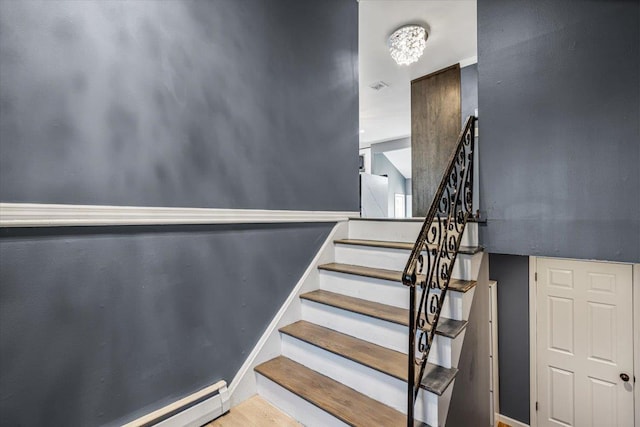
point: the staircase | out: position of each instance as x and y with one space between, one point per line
395 286
345 361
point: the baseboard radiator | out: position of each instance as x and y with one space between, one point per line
194 410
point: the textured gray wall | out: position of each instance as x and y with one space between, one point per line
104 325
469 404
512 274
559 92
225 103
560 145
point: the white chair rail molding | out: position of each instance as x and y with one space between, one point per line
59 215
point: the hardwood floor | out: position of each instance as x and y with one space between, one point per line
255 412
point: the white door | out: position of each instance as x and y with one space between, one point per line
584 343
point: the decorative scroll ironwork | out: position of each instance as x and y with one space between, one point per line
433 256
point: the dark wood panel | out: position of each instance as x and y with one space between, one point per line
435 126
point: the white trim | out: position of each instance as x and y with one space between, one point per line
495 364
636 340
50 215
243 385
533 375
194 416
509 421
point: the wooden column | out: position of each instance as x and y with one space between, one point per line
435 126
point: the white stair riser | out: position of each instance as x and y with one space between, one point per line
391 231
466 266
470 235
377 385
456 306
456 348
380 332
295 406
402 231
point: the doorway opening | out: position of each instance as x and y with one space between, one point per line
386 96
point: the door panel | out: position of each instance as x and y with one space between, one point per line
602 401
435 126
601 332
560 396
560 324
584 342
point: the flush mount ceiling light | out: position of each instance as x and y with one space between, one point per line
407 43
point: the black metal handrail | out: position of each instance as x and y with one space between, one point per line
435 253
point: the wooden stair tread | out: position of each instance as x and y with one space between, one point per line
436 379
342 402
457 285
467 250
412 219
387 219
446 327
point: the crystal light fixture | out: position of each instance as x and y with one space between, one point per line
407 43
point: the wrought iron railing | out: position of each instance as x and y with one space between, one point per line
431 262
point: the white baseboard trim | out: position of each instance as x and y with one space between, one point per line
51 215
194 410
244 385
509 421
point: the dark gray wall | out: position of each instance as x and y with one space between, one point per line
559 93
560 146
512 274
104 325
469 404
225 103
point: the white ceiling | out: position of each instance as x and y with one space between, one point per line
401 159
452 29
